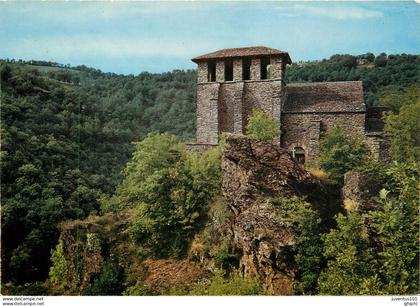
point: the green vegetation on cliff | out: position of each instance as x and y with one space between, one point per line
340 153
169 189
63 147
68 133
377 252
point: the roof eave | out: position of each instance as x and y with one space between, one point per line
206 59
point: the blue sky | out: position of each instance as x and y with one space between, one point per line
131 37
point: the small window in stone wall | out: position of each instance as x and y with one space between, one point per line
246 69
211 73
265 68
299 155
229 71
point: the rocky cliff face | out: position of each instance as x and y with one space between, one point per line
90 243
253 173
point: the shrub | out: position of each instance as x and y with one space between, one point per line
395 224
139 289
377 252
317 172
58 270
393 99
351 264
169 190
340 153
109 282
93 242
307 249
214 242
234 284
262 127
225 259
28 289
403 131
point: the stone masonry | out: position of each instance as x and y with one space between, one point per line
234 82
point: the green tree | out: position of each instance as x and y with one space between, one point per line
395 224
109 282
5 73
377 252
58 270
151 161
340 153
262 127
394 99
381 60
351 266
403 129
169 190
308 248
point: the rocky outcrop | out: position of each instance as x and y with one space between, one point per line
253 173
89 243
359 191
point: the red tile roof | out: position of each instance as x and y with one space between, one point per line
326 97
242 52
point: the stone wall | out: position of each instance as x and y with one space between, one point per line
263 95
304 111
379 144
208 113
305 129
199 147
359 191
276 68
225 107
237 70
202 72
255 69
312 139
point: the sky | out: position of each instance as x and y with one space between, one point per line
132 37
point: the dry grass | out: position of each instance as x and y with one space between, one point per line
319 173
165 274
350 205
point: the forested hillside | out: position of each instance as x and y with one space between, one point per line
64 145
68 132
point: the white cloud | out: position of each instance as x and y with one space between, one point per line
336 11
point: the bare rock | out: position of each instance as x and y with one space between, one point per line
254 172
359 191
88 243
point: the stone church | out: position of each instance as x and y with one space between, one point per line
231 83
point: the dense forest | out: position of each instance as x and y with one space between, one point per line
53 166
68 133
